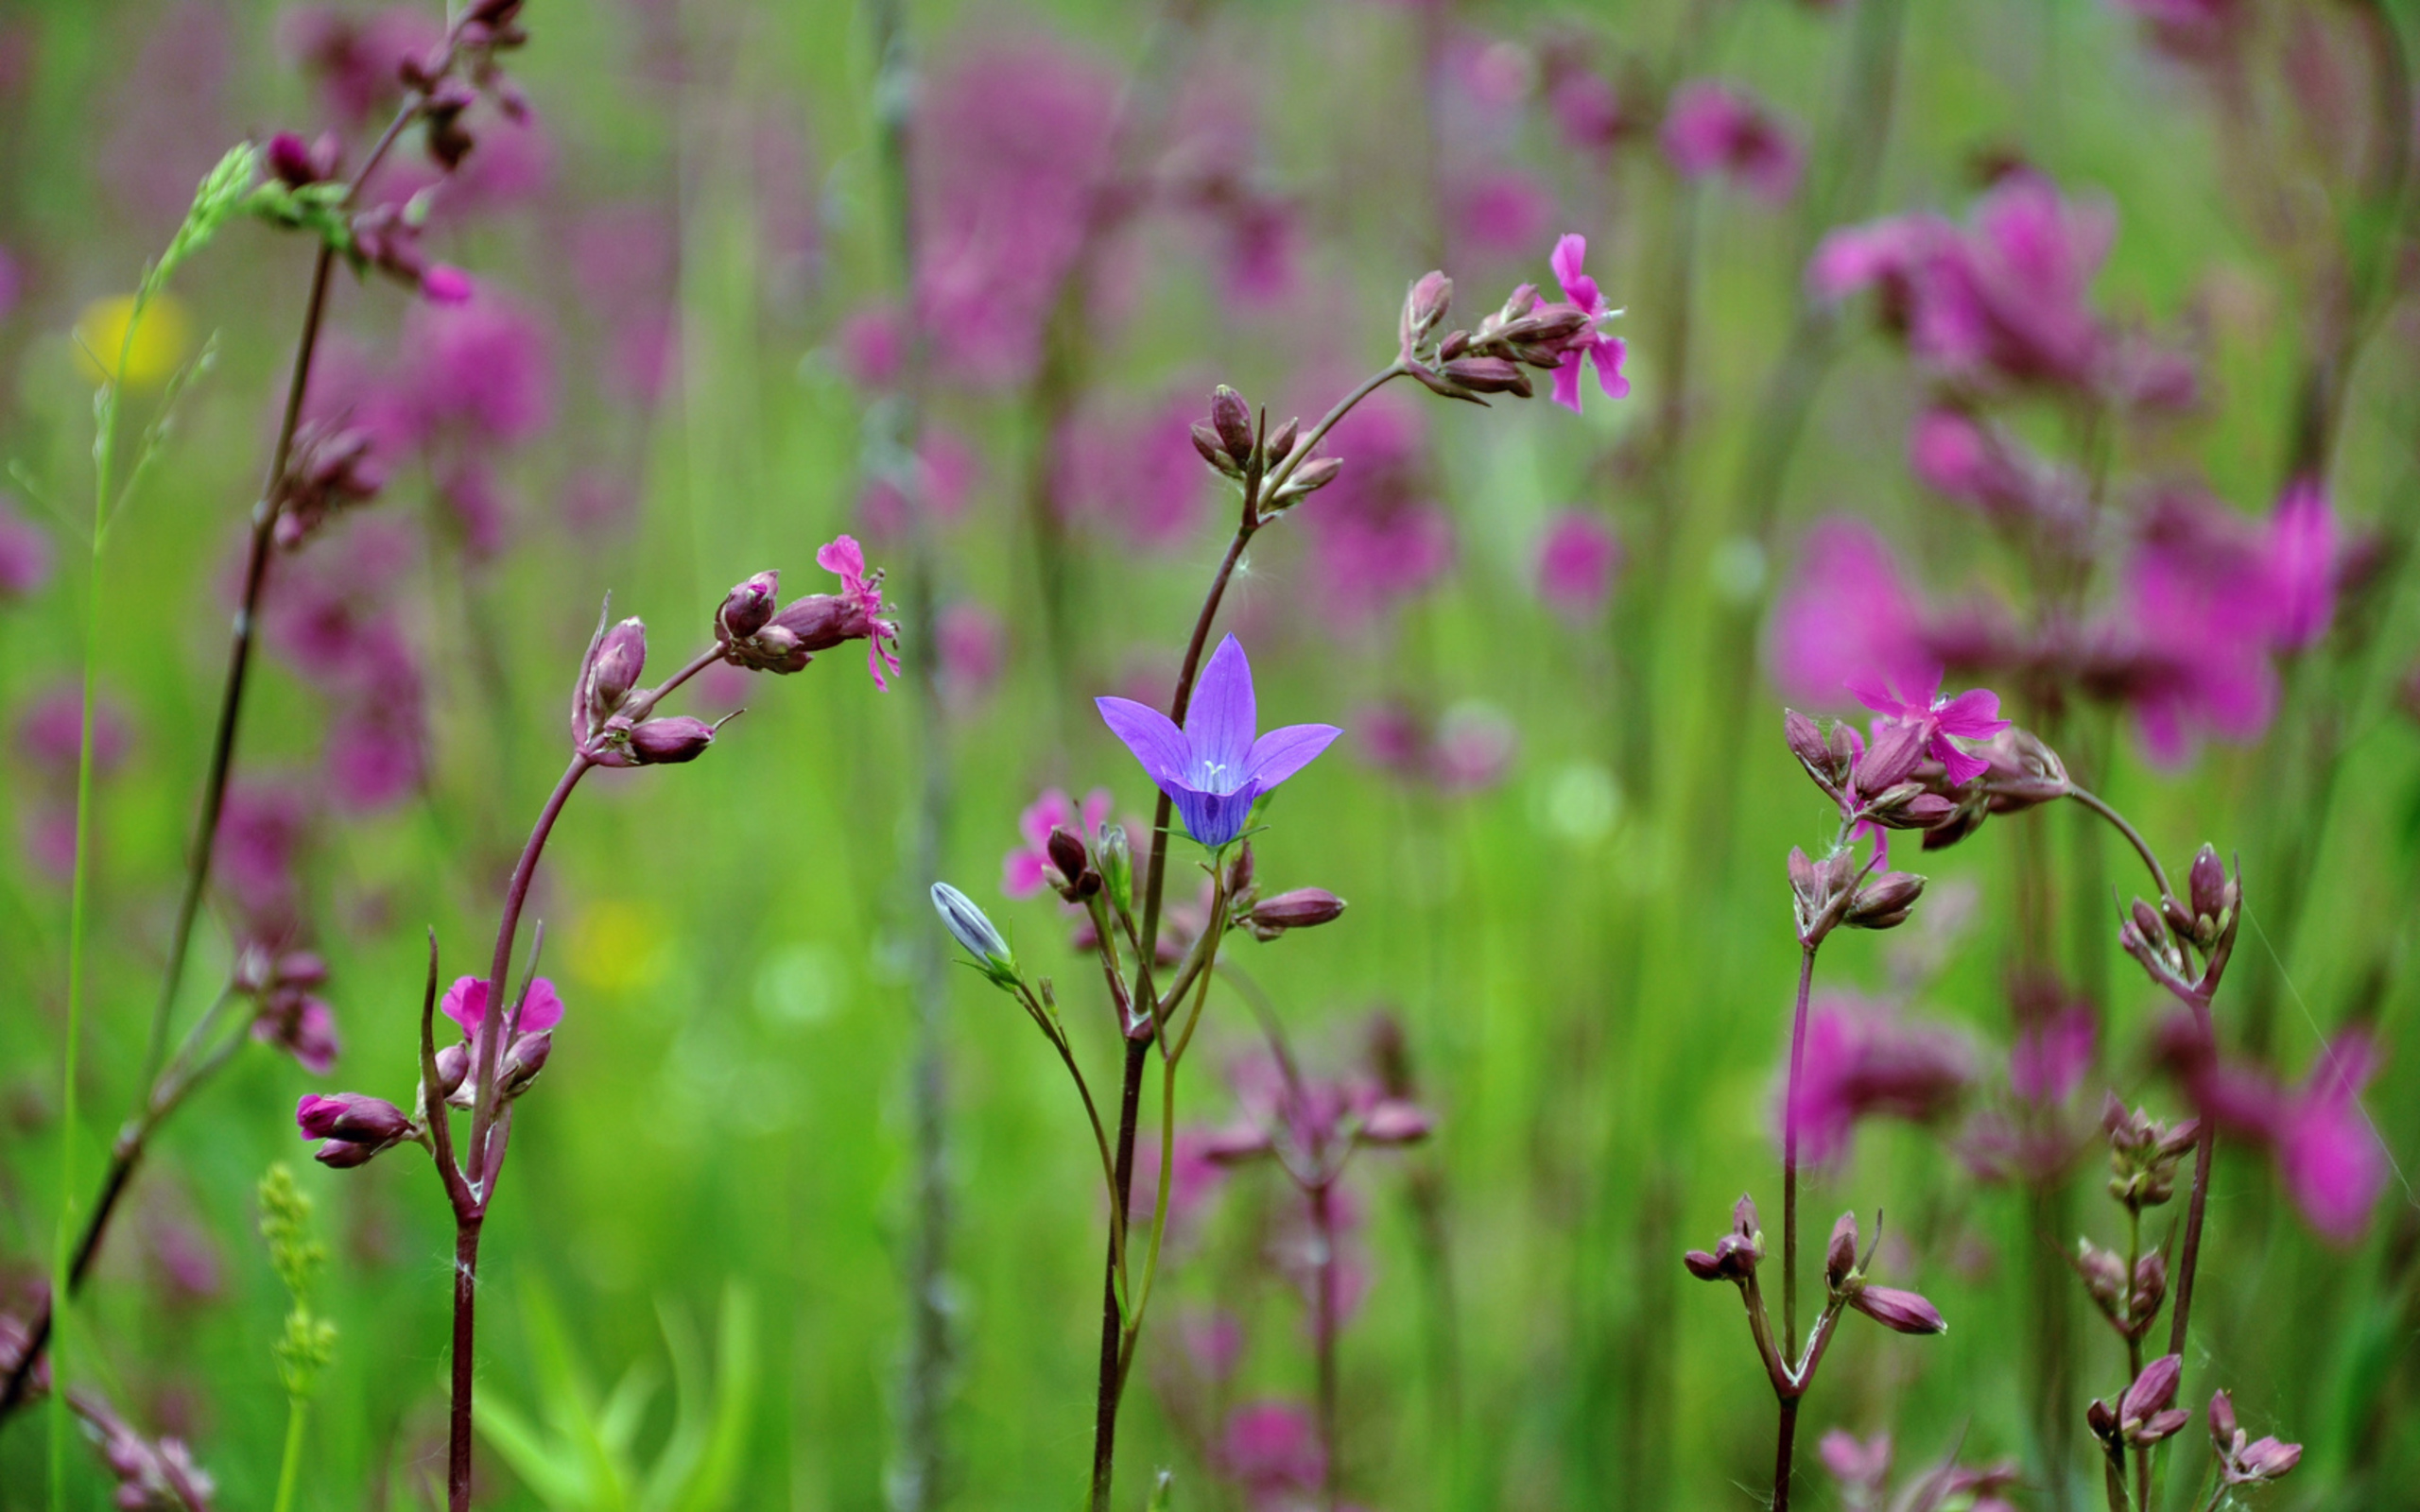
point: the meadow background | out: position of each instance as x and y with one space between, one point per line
1560 819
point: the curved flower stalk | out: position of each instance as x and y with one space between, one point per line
1209 761
614 722
312 472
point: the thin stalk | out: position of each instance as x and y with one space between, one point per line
1789 1150
1323 1327
2189 1256
1112 1319
1785 1443
290 1473
2134 1348
466 1295
2133 837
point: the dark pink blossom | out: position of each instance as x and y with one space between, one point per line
1711 127
2302 564
353 57
1271 1451
1137 472
1864 1062
1576 561
1027 870
466 1004
479 371
861 594
1580 292
50 731
1587 108
1983 468
2050 1056
301 1024
261 830
1504 211
2328 1154
1971 715
1846 615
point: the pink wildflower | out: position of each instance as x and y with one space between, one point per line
1862 1061
480 370
1711 127
2328 1154
1577 562
1271 1451
1581 293
2302 561
1972 715
1504 211
1847 614
1137 472
466 1004
2050 1056
1026 871
863 595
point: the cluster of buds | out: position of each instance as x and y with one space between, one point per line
1521 333
2206 921
286 1009
2242 1462
1247 451
330 467
1840 889
2023 772
612 722
459 70
1902 1311
386 237
2131 1303
2144 1154
300 164
1265 919
757 635
1735 1255
151 1473
2146 1413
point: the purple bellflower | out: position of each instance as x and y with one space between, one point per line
1214 768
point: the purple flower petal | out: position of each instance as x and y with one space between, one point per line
1875 695
541 1010
1569 254
1961 768
1218 724
1214 818
1152 735
1607 354
1567 382
1973 715
1281 753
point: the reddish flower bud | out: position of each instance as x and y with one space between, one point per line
675 738
1212 450
1301 908
2222 1423
2150 1394
1394 1121
453 1064
1840 1254
351 1117
1806 741
1489 375
1704 1266
1231 418
1313 476
1898 745
522 1061
2103 1272
1067 854
748 607
2212 893
1280 445
606 675
2266 1459
297 164
1884 902
1901 1312
1431 295
343 1155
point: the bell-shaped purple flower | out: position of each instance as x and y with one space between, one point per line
1214 768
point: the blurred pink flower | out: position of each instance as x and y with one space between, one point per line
479 371
1862 1060
1505 212
1475 746
50 731
1271 1451
261 833
478 507
873 348
184 1264
1587 108
1374 533
1981 467
376 752
167 122
1846 614
1712 128
1013 150
2328 1155
1193 1180
947 473
2303 562
1026 871
1576 561
1137 474
354 57
24 553
971 646
2050 1058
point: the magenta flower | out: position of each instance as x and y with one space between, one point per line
1577 562
261 833
1581 293
1972 715
1847 614
1587 108
1216 767
2050 1056
1137 474
1026 872
1271 1451
25 550
862 597
480 370
1711 127
2328 1155
1863 1061
2302 562
466 1004
1504 211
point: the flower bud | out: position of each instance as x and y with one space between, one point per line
1214 450
2150 1289
1489 375
673 738
981 938
1839 1255
343 1155
748 607
2149 924
1703 1265
1455 344
1394 1121
1313 476
1280 445
1231 418
2222 1423
1745 1224
2212 892
2266 1459
2024 771
1901 1312
2103 1419
1301 908
1115 858
1908 806
352 1118
1898 745
1884 902
613 670
1241 871
2150 1394
453 1064
1806 741
1423 306
2103 1272
523 1059
297 164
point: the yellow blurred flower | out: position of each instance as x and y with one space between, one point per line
160 343
619 947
